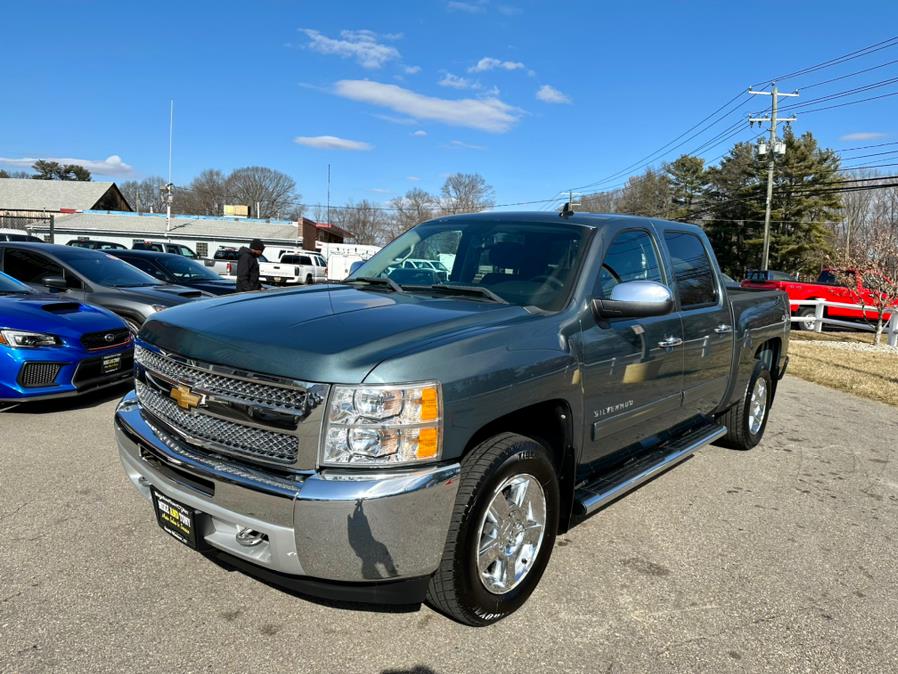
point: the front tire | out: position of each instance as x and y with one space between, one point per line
747 420
502 531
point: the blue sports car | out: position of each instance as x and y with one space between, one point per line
51 347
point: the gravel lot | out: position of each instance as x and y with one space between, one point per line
779 559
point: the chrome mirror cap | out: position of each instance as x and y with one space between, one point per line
635 299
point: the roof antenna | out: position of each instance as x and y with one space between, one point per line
568 209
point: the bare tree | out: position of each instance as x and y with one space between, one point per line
144 195
466 193
207 193
268 193
876 266
367 223
409 210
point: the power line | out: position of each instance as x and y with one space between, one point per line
850 56
842 105
866 147
842 77
842 94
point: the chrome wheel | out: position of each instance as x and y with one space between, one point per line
757 407
511 533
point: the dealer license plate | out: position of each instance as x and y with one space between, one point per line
112 363
176 519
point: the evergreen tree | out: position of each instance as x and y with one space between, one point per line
688 183
736 197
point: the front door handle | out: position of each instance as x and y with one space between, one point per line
723 329
670 342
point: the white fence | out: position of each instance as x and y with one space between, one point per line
819 320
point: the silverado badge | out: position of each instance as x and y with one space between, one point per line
185 398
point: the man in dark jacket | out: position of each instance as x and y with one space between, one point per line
248 266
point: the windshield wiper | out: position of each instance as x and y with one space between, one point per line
384 281
461 289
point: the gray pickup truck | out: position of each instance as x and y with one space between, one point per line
401 436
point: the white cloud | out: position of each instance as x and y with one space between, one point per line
379 190
420 133
486 114
509 10
468 7
864 135
111 166
404 121
549 94
414 179
361 45
332 143
489 63
459 145
411 70
455 82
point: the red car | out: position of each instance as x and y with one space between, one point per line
827 287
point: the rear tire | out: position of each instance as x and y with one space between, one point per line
502 531
806 312
309 280
747 420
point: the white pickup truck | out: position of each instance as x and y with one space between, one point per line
304 268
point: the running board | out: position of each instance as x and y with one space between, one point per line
593 495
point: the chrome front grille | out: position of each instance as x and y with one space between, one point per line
231 436
251 392
221 410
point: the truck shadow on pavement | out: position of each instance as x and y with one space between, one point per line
86 401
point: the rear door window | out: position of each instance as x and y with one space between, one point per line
693 274
304 259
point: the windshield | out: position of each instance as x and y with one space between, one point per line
185 269
9 285
528 264
106 270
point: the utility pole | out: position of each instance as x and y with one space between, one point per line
168 190
328 193
772 149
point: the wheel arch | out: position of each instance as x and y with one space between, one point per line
550 423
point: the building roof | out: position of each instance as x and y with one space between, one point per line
28 194
187 226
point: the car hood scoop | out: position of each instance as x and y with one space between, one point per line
62 307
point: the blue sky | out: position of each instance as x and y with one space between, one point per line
536 96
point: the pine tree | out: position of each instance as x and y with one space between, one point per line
799 237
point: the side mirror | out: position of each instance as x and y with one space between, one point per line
635 299
55 282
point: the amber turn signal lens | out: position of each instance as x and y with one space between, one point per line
427 443
430 409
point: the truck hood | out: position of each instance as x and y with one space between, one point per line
333 334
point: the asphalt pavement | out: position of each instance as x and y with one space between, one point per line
784 558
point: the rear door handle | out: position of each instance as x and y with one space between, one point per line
723 329
670 342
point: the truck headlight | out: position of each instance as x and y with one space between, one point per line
383 425
21 339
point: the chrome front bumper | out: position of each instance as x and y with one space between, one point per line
337 525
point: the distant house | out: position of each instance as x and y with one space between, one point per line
24 198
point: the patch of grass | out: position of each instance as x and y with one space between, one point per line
834 336
872 375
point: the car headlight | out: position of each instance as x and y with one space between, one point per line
383 425
21 339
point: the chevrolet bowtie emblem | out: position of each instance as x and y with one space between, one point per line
185 398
